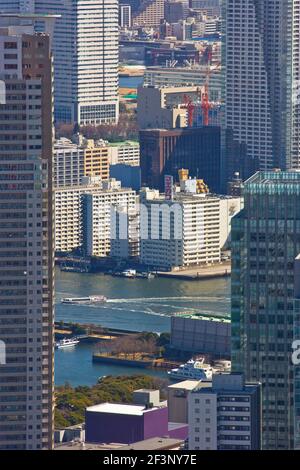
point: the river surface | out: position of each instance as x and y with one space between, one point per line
133 304
130 82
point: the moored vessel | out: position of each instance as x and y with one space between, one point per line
192 370
66 343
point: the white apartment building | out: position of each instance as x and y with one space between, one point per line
225 414
262 67
180 233
110 222
85 47
69 221
68 225
124 152
189 230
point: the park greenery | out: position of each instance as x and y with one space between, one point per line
125 129
71 402
142 344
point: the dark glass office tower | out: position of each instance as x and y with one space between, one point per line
265 243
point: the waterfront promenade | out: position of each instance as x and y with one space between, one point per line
198 273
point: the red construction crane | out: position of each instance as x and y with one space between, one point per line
189 105
206 105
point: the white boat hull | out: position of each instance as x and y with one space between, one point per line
64 346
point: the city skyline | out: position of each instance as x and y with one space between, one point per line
150 227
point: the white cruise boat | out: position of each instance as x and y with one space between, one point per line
192 370
67 343
84 300
130 273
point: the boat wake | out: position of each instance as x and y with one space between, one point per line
162 299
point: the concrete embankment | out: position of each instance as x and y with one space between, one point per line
199 272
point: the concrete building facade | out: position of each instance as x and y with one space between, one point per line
225 414
262 66
127 153
149 13
85 49
201 334
26 243
179 233
110 222
185 76
164 108
178 400
125 20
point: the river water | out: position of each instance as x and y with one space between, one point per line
133 304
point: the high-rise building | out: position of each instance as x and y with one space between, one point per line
186 230
125 16
68 211
262 67
127 152
176 10
26 240
165 107
85 49
165 151
224 414
78 158
110 221
149 13
68 163
265 243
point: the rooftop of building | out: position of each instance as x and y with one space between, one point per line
155 443
29 15
183 130
131 143
275 176
89 187
77 445
185 385
227 383
120 408
182 197
201 316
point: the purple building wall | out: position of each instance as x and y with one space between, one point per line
178 431
110 427
156 423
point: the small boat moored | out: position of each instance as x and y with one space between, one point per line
66 343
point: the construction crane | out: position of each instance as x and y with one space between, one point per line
206 105
190 107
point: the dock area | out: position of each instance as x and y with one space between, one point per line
197 273
129 360
90 332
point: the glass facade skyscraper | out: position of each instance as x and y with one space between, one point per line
265 243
